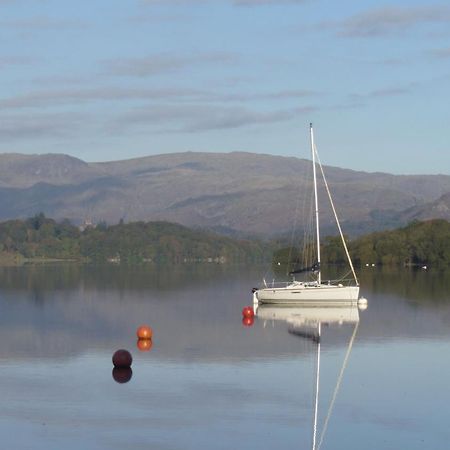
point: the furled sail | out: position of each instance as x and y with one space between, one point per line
314 268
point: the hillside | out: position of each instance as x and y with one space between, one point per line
40 238
418 244
439 208
234 193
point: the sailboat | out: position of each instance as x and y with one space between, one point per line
316 290
307 322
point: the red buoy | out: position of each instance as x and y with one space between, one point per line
144 332
248 311
122 358
248 321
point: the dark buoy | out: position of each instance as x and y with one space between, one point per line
248 321
122 358
122 374
144 332
248 311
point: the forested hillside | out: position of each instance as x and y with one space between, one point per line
161 242
418 244
42 238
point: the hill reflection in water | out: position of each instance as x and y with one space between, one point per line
64 310
207 381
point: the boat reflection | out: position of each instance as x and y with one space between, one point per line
307 322
309 316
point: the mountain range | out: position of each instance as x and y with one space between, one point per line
233 193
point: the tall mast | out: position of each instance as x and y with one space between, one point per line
316 203
316 394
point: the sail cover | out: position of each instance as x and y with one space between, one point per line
314 268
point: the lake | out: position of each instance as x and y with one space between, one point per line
209 381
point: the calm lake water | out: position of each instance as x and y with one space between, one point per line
208 381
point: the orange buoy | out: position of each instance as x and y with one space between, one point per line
144 345
122 358
248 321
144 332
248 311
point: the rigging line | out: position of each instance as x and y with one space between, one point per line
300 210
294 229
308 238
344 276
307 242
308 216
338 384
336 218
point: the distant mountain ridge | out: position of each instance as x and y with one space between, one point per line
233 193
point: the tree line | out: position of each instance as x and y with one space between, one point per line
40 237
417 244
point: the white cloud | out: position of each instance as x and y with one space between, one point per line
441 53
20 127
48 98
198 118
163 63
264 2
382 93
15 61
65 97
389 92
42 24
233 2
390 20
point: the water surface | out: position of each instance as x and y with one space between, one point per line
209 382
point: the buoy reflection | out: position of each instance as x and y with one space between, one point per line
144 345
248 321
122 374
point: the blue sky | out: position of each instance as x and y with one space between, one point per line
108 80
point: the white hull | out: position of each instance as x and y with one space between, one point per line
299 293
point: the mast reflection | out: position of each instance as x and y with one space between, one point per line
308 322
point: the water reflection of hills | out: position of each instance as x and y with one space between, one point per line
418 285
42 278
414 284
65 311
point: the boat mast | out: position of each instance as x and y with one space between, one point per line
316 394
316 202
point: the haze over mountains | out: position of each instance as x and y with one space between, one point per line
233 193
